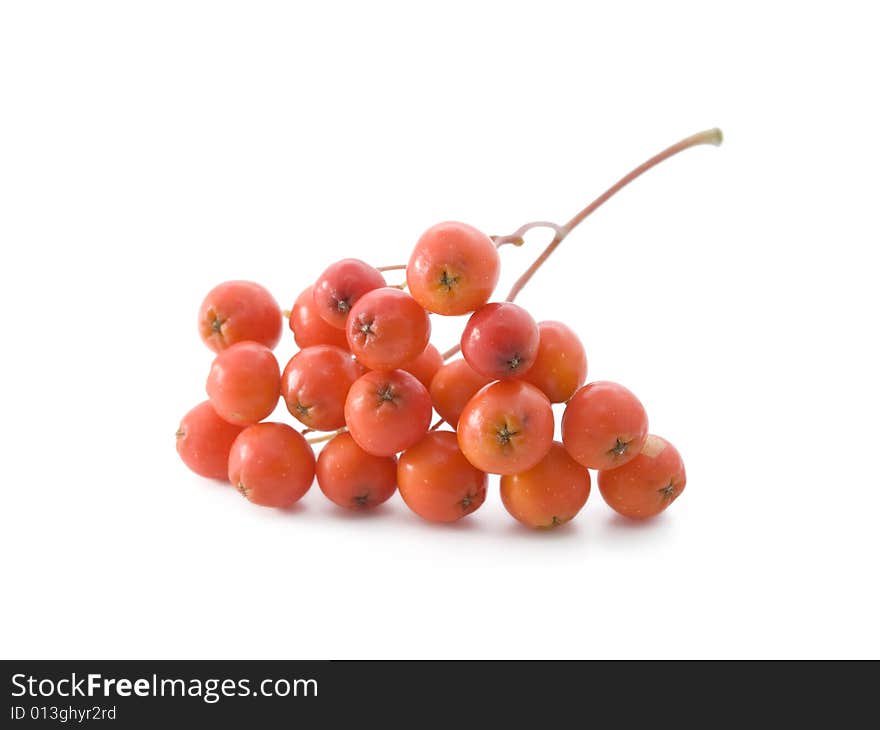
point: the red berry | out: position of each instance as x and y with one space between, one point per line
244 383
425 366
500 340
604 425
309 328
550 493
453 386
437 482
387 411
560 367
271 464
236 311
204 440
647 484
387 328
351 477
315 383
341 285
506 428
453 269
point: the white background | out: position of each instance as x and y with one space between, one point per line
151 150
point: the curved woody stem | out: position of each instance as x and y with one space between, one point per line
709 136
326 436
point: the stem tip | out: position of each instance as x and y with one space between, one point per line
714 136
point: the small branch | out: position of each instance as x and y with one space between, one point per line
709 136
516 238
438 424
326 436
451 352
396 267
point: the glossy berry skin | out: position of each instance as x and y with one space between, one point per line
351 477
604 425
560 367
271 464
340 286
453 269
550 493
647 484
454 384
506 428
315 383
236 311
500 341
425 366
387 328
204 440
437 482
387 411
309 328
244 383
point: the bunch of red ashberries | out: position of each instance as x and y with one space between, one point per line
367 374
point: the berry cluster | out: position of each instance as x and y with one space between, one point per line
367 374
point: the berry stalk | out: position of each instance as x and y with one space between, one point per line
709 136
560 232
326 436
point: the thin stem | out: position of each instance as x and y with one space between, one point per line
396 267
451 352
709 136
438 424
516 238
326 436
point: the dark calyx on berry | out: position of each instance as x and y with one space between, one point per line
667 492
448 281
513 363
504 435
386 393
619 448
